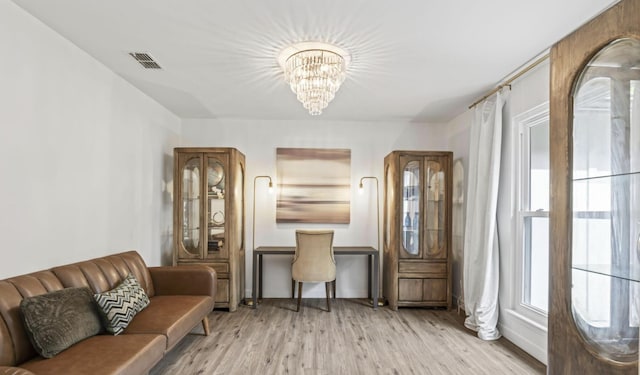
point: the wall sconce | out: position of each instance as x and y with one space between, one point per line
360 190
249 301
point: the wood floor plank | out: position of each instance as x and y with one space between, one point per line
351 339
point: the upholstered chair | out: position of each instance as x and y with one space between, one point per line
313 261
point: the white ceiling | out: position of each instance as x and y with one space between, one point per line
412 60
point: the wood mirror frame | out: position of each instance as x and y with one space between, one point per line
568 353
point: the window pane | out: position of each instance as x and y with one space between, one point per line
534 203
539 166
536 283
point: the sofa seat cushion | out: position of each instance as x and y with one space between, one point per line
172 316
104 354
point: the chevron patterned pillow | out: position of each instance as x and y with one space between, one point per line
119 305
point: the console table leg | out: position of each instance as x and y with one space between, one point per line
254 293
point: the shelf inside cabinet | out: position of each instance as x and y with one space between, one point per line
631 274
605 175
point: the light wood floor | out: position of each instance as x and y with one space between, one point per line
351 339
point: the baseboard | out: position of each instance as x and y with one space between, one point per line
525 334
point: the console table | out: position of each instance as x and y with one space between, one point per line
372 272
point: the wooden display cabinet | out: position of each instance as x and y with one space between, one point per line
417 228
594 263
208 216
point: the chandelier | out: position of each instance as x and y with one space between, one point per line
314 71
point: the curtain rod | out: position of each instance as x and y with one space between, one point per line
508 82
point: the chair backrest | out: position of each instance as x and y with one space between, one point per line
313 260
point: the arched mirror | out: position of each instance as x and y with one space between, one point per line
605 247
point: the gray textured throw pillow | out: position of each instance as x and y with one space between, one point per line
119 305
57 320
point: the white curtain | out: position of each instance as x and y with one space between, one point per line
481 253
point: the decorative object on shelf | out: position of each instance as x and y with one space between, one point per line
218 218
211 218
314 185
215 175
314 71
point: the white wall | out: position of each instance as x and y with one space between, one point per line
85 157
369 144
458 140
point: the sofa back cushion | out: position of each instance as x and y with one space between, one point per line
103 274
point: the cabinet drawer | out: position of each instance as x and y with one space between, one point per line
422 290
421 267
434 290
220 267
222 291
410 289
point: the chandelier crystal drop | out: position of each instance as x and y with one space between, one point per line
314 71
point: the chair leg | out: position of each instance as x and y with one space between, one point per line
293 288
327 287
299 295
334 289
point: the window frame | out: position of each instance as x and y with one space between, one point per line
524 123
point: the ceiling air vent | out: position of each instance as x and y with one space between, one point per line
145 60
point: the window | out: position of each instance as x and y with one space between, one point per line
533 210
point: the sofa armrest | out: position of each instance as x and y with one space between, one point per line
184 280
5 370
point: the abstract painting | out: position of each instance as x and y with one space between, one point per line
314 185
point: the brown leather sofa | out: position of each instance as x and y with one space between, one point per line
181 298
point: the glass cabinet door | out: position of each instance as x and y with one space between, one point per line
435 211
215 206
411 209
605 261
191 179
